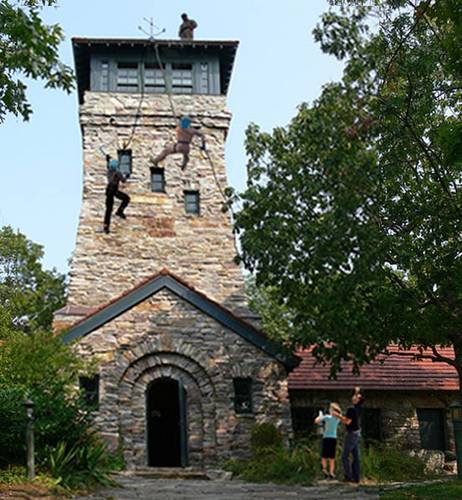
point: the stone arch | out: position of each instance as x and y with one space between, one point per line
140 365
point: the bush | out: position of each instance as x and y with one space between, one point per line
265 436
270 462
389 464
299 466
41 368
81 464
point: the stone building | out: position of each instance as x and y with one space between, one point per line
184 372
407 400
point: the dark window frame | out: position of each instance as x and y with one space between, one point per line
371 431
159 75
128 87
161 183
442 431
243 401
89 387
196 204
125 153
177 72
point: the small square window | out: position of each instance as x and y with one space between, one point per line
242 395
90 390
191 202
157 180
125 162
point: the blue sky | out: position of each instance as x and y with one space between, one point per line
278 66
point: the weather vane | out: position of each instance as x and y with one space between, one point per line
154 30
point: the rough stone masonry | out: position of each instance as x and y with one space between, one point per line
164 336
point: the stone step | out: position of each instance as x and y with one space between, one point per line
168 473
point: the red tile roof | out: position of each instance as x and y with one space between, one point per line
396 373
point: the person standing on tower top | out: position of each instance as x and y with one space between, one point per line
184 137
187 28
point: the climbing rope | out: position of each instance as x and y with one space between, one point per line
164 74
126 145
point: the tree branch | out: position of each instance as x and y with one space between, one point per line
435 357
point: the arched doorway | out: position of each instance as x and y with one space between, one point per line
166 423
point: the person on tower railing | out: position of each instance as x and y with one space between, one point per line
114 177
186 31
184 136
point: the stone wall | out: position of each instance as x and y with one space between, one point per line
400 424
166 337
157 233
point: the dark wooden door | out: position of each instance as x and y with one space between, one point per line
166 424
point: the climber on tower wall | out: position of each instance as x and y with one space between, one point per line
114 177
184 135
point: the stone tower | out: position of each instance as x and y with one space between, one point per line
184 374
123 103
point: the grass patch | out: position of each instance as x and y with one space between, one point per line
270 462
277 465
388 464
449 490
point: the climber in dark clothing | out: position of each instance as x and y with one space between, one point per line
114 176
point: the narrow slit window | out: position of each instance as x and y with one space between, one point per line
182 78
204 78
125 162
104 75
192 202
89 387
153 78
242 395
127 77
157 180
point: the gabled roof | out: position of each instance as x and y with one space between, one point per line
392 372
166 280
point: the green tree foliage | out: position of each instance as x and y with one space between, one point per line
28 294
42 368
28 48
353 212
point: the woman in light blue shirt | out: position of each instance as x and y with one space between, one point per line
329 438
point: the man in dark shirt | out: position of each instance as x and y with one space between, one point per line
186 31
114 176
352 420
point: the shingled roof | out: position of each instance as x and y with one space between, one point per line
167 280
396 373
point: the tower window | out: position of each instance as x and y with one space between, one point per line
182 78
125 162
204 78
90 390
127 77
104 75
153 78
157 180
242 395
191 202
